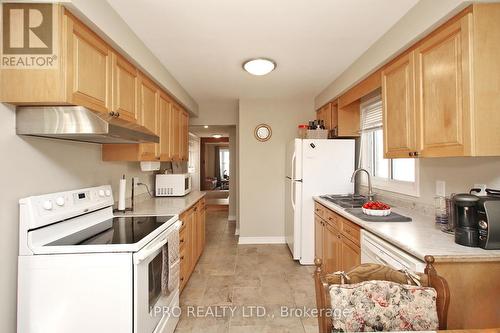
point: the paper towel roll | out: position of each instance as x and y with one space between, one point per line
121 193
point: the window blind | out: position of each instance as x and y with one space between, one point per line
371 114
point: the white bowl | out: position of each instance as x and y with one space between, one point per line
377 212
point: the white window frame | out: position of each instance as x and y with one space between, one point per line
385 184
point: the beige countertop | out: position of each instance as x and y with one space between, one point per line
420 237
159 206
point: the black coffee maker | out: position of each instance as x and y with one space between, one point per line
466 221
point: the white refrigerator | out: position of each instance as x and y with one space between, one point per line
313 168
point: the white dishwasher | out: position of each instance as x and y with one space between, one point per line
378 251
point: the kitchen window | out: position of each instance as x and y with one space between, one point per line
395 175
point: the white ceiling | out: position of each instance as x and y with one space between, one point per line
204 43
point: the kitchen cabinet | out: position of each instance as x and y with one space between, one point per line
88 68
148 102
350 254
165 119
399 108
319 226
125 85
191 239
336 241
91 73
439 97
443 91
342 121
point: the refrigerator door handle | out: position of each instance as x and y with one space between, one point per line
292 194
293 166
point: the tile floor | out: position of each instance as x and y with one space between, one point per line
232 281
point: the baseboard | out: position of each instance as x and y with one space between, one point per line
262 240
237 232
231 218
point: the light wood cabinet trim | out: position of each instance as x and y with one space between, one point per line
351 254
333 219
351 231
348 119
319 210
365 87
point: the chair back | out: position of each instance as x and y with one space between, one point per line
369 272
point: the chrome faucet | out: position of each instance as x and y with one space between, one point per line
370 194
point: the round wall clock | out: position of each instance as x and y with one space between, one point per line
263 132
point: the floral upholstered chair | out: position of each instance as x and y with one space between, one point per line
374 297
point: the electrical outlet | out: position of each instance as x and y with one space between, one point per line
440 188
136 180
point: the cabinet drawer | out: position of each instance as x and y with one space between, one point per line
333 219
351 231
319 210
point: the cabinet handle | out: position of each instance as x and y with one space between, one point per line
181 241
182 279
415 154
182 257
117 114
112 113
410 154
157 158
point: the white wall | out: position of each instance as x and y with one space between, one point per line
104 20
421 19
233 179
32 166
216 113
262 164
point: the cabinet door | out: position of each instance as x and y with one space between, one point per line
399 107
165 111
175 132
350 254
184 136
325 114
203 213
194 237
318 238
443 95
89 68
331 249
148 117
125 89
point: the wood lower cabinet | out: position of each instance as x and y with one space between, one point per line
191 239
337 240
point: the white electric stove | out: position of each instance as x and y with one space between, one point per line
81 269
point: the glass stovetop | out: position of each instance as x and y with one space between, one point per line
118 230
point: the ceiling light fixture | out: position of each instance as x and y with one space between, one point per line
217 136
206 126
259 66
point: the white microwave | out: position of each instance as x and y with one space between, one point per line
173 185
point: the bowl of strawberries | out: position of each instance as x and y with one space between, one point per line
376 208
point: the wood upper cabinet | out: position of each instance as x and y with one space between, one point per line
165 112
184 136
325 114
175 133
443 91
125 84
148 110
88 69
399 107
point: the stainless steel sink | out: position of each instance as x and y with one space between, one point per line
346 200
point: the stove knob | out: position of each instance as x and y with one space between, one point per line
483 224
47 205
108 193
101 193
60 201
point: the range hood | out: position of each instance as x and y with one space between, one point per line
78 123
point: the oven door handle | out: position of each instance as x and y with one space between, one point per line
152 248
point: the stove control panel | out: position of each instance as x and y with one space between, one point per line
54 207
